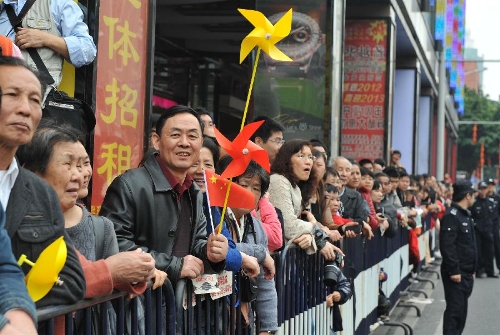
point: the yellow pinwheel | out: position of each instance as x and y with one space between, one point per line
265 35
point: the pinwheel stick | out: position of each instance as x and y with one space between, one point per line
254 71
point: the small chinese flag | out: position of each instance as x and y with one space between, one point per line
217 188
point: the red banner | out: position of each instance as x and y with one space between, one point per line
121 87
363 111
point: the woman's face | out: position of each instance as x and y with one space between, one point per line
355 177
334 180
205 161
320 166
377 195
64 173
86 171
302 163
367 182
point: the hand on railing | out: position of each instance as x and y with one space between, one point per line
158 278
131 266
269 269
304 241
192 267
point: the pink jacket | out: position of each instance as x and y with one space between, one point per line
270 223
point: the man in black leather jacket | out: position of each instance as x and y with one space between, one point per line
158 208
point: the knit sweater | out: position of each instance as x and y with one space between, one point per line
288 199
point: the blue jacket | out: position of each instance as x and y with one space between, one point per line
13 294
233 258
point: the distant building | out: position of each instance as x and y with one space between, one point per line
473 70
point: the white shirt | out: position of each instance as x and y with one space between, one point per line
7 180
239 227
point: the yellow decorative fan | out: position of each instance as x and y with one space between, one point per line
45 272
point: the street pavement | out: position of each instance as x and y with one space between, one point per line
484 310
483 317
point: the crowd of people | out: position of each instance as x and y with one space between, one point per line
156 221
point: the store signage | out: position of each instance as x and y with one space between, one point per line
121 86
365 89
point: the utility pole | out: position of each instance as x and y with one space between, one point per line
442 93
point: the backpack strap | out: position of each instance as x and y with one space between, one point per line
99 232
15 21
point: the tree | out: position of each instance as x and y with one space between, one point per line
478 108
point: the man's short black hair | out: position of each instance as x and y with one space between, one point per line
392 172
267 129
174 110
380 174
202 111
380 162
397 152
402 172
318 143
365 161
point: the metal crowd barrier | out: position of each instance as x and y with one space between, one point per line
300 290
91 316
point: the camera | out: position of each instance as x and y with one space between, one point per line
333 270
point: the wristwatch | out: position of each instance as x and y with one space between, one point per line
300 45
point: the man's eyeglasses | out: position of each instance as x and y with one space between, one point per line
277 141
308 157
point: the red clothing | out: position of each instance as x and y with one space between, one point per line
366 193
339 220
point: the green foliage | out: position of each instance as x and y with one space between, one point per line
478 108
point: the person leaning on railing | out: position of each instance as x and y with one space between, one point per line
252 240
292 166
54 155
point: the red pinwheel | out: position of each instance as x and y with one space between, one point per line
242 150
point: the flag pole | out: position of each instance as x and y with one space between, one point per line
247 103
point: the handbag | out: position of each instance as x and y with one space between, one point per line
65 109
249 287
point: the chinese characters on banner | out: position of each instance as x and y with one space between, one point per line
363 111
121 86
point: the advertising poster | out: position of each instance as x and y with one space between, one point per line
365 86
293 93
121 87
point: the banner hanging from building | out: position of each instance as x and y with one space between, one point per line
365 89
120 92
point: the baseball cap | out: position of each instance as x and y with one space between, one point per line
491 182
482 184
463 186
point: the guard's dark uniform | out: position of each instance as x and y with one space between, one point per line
483 213
496 229
458 248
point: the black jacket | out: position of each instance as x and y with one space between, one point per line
457 242
35 220
353 205
483 212
143 207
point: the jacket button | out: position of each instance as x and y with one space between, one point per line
171 233
35 234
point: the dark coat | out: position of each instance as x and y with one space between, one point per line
143 207
354 206
457 242
35 220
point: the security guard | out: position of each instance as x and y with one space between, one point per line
484 213
458 248
496 220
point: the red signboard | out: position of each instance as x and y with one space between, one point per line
364 96
121 86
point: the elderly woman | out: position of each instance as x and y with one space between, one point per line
292 171
55 155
